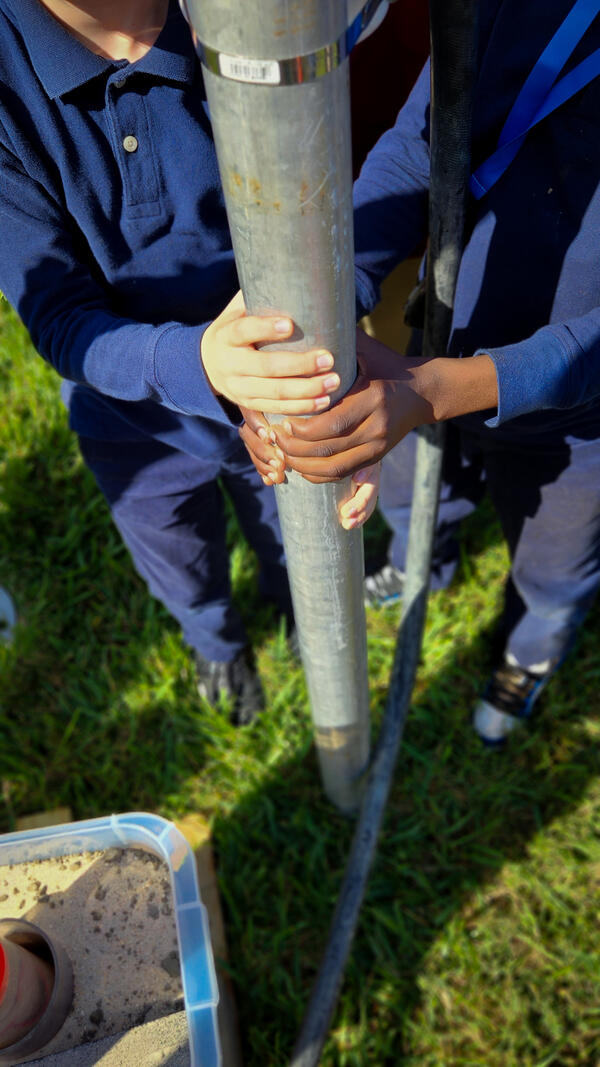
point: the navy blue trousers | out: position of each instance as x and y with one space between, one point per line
546 492
169 508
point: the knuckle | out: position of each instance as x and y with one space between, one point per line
380 425
237 331
342 425
335 472
265 368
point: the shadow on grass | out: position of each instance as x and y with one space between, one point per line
457 814
98 706
88 716
98 712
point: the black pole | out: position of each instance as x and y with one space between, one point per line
453 37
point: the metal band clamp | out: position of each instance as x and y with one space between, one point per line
292 71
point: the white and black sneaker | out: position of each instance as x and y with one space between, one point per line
384 587
509 697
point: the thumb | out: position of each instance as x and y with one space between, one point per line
365 490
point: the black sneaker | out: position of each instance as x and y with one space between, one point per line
237 681
508 698
386 586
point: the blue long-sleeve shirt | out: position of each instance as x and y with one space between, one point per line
529 285
117 259
115 244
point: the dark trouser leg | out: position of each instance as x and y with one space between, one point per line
462 488
548 500
256 509
169 510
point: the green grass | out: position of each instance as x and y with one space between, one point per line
479 941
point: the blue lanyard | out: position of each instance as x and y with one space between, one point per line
541 94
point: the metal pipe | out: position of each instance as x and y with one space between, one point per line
453 57
276 77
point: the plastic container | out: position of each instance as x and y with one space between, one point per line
155 834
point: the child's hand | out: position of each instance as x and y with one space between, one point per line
360 507
269 460
259 438
382 405
292 383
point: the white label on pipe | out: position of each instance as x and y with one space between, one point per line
258 71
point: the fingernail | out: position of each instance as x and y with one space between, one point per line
349 524
266 481
275 463
262 433
360 477
280 455
321 402
287 426
325 360
272 437
331 382
283 325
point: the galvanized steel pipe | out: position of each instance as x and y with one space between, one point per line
276 77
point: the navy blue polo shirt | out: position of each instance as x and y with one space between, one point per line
116 250
115 244
529 284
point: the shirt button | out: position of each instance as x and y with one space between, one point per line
130 143
119 83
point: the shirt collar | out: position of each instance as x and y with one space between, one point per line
172 56
63 64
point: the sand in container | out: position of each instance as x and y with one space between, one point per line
112 911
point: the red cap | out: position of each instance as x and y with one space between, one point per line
3 972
